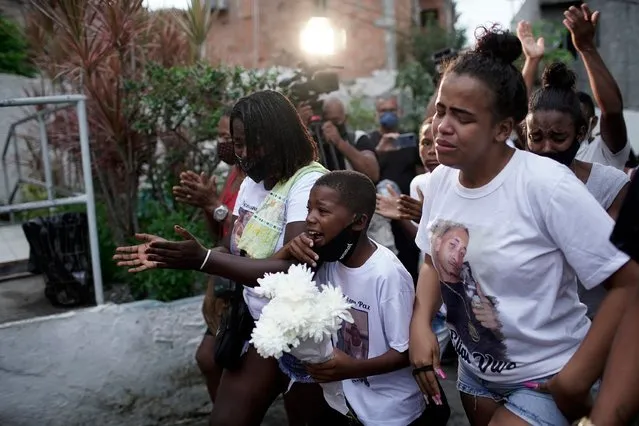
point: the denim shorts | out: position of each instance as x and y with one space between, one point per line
536 408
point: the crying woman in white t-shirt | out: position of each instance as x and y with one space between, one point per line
506 233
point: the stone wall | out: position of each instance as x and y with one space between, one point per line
113 365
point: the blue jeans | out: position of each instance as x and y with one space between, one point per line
536 408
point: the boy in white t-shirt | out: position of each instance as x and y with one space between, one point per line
371 355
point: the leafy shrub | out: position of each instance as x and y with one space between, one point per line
14 50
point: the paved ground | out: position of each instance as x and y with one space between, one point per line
277 417
24 298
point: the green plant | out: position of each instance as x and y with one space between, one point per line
163 284
182 106
92 47
14 50
196 22
360 115
417 68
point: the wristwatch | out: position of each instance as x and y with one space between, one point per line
220 213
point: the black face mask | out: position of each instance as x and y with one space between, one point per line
564 157
340 248
255 170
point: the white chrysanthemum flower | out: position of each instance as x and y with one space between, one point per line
297 311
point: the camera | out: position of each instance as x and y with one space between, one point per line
308 83
306 86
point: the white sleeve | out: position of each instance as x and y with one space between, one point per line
240 196
598 152
422 239
581 229
297 203
395 314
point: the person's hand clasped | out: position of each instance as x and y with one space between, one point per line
336 369
197 190
424 357
533 49
399 206
135 257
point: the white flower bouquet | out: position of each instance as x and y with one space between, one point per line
300 319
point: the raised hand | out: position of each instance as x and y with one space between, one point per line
135 256
533 49
197 190
582 24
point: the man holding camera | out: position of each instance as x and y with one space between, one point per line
353 149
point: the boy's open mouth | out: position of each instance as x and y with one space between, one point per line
315 236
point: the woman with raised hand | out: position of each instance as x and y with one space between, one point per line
555 127
278 155
506 234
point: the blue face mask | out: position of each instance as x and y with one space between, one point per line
389 120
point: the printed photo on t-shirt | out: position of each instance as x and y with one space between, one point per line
472 315
243 216
353 338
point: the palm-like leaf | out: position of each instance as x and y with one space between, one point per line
196 23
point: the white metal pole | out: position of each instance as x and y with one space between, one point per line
88 189
390 36
46 158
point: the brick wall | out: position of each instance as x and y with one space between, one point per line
279 23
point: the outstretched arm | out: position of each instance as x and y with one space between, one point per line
582 24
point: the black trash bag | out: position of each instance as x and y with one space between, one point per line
60 251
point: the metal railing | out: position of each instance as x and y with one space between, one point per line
87 198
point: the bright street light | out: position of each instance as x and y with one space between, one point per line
320 38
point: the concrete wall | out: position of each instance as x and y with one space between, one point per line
112 365
12 86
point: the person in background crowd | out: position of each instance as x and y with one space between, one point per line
355 151
399 166
278 156
503 230
555 126
354 148
408 210
611 147
201 191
